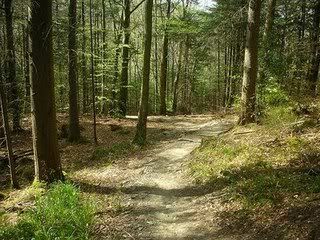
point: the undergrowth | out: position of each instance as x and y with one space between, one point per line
60 213
264 164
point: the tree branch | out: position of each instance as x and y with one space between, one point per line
137 6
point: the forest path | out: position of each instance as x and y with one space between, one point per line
157 197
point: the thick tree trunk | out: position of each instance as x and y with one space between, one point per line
141 132
125 60
74 128
248 98
315 58
46 154
11 58
164 67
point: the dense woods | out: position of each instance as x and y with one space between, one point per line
91 60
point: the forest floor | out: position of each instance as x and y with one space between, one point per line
199 177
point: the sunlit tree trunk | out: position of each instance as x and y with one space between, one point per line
248 97
141 132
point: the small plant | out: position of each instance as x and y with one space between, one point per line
59 214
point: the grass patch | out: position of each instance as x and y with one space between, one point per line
261 165
116 150
279 116
58 214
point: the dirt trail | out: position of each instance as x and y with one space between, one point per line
162 201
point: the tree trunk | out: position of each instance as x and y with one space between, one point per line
115 79
177 80
164 66
93 85
248 98
44 129
6 128
11 58
315 58
125 60
141 132
27 64
74 128
85 94
104 56
218 76
269 20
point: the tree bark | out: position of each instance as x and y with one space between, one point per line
315 58
6 129
11 58
27 64
104 56
74 128
93 85
164 66
177 80
85 94
44 129
269 20
141 132
125 60
248 97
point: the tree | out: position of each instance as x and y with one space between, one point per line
125 60
6 128
315 58
269 20
141 132
93 86
85 94
11 58
44 129
74 128
164 66
248 94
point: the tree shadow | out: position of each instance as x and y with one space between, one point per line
280 202
188 191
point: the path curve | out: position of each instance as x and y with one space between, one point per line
162 201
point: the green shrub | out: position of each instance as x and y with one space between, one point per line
274 95
59 214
